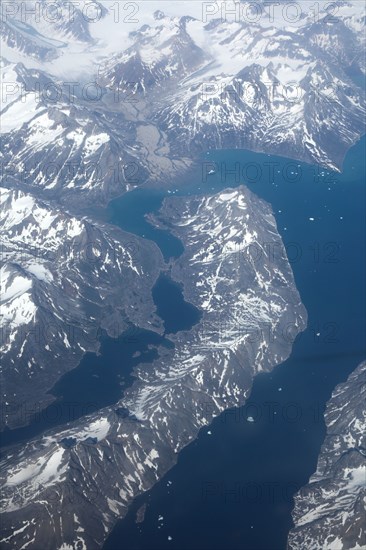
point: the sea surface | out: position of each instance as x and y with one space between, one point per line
233 487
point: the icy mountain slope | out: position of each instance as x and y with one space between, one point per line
159 54
281 93
265 86
69 148
42 29
330 511
62 280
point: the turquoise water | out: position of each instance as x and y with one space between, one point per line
233 488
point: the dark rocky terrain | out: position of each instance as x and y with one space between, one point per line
330 511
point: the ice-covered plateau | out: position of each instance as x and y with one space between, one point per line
330 511
57 496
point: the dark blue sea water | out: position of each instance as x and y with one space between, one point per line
129 213
98 381
233 487
176 313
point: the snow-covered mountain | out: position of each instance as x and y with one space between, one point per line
330 511
67 148
63 279
70 486
281 93
43 29
159 56
254 110
179 87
